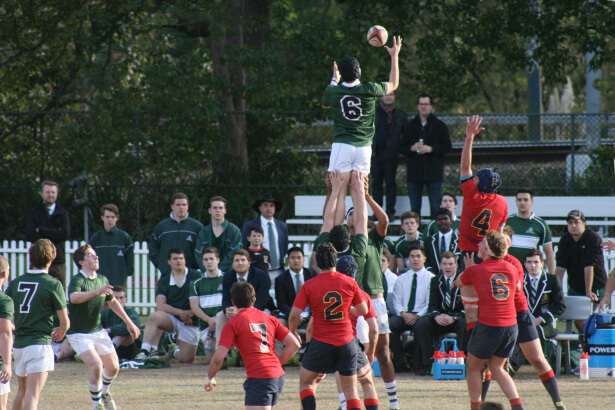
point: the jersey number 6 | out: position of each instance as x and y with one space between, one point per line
498 286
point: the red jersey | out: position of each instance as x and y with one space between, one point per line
496 283
330 296
520 299
480 213
370 313
254 333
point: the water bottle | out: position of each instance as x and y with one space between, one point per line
584 366
376 368
419 152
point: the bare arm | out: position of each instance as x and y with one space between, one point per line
472 129
610 287
119 310
394 74
608 245
338 182
292 344
214 366
293 321
6 348
80 297
559 271
548 248
589 282
196 310
161 304
361 308
381 216
372 337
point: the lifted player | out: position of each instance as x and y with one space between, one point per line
88 292
254 333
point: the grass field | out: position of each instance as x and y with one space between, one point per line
181 387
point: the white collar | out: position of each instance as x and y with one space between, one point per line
352 84
265 221
86 275
173 282
36 271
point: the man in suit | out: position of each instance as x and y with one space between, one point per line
275 233
287 285
545 298
445 314
241 272
442 241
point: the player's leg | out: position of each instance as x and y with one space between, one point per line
534 354
366 378
34 385
387 371
187 342
506 383
95 366
349 388
474 379
111 368
18 400
307 386
185 352
157 323
341 159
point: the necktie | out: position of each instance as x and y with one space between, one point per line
447 298
298 283
442 244
240 279
532 295
273 252
412 295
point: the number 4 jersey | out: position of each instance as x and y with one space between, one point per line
481 213
36 297
330 295
353 110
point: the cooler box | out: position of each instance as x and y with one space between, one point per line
601 349
448 371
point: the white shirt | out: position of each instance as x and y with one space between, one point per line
293 274
267 242
447 239
403 287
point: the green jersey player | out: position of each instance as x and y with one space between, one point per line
6 336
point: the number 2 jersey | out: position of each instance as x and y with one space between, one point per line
353 110
330 296
254 333
481 213
495 283
36 296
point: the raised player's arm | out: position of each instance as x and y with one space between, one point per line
121 313
291 345
81 297
57 334
394 74
357 192
214 366
334 80
6 348
339 181
472 129
381 216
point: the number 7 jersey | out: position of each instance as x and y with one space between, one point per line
481 213
330 296
36 297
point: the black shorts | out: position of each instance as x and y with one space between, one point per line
527 328
322 357
361 356
461 263
263 392
488 341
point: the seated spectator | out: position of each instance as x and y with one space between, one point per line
173 314
445 240
206 297
546 302
410 222
259 256
241 272
287 285
445 313
124 342
448 201
410 303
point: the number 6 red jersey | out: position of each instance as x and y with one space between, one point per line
481 213
330 296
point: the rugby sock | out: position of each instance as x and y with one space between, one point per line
550 383
371 404
148 347
342 397
95 392
308 401
475 405
353 404
516 404
486 384
106 381
116 341
391 388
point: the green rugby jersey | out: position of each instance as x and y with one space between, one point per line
6 311
403 245
529 234
36 296
353 110
85 317
209 292
432 228
178 296
357 249
369 274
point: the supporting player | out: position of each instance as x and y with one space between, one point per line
494 335
254 333
332 348
6 336
88 292
36 296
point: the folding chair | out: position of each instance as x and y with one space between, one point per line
577 308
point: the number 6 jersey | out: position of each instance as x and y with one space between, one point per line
36 297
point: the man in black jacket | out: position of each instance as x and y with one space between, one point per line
390 122
49 220
425 142
287 285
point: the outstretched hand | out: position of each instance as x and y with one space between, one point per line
473 126
394 51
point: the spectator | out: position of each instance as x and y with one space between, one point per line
275 233
446 240
390 122
448 201
445 313
114 248
425 142
546 302
389 276
530 230
177 231
173 313
287 285
220 234
49 220
410 222
241 272
6 335
259 256
579 254
124 342
410 303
